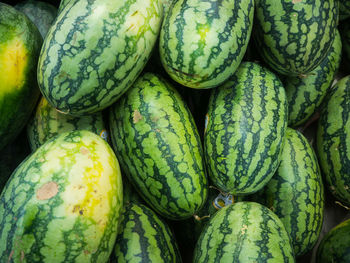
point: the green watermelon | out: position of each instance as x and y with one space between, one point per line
155 138
245 126
294 36
295 193
335 245
333 136
63 203
94 52
20 43
202 42
144 237
47 122
42 14
244 232
305 93
63 3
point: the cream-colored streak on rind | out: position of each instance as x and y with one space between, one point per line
63 203
203 42
94 52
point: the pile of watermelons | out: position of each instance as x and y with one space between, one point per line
230 120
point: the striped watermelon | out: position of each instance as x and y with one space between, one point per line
202 42
333 136
94 52
335 245
42 14
294 36
62 5
295 193
245 126
156 140
144 237
63 203
20 43
305 93
244 232
47 122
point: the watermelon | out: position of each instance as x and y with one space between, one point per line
47 122
335 245
42 14
94 52
144 237
305 93
245 126
63 203
294 36
244 232
20 43
63 3
333 136
295 192
202 43
155 138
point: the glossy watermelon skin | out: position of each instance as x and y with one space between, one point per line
305 93
20 43
293 38
94 52
42 14
334 246
202 43
155 138
63 3
245 127
244 232
47 122
295 193
63 203
144 237
333 135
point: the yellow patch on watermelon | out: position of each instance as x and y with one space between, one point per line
13 62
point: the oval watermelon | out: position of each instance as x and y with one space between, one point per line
155 138
295 193
244 232
94 52
294 36
333 136
63 203
246 123
20 43
202 42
